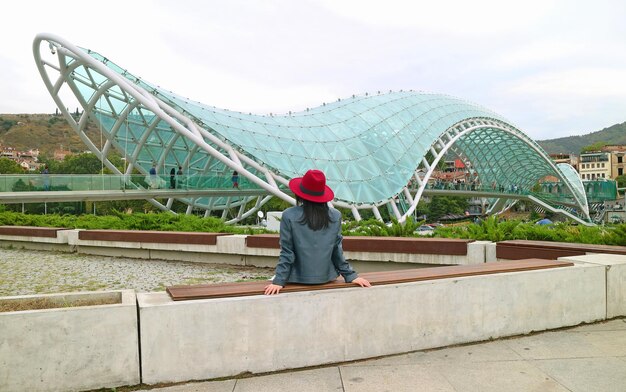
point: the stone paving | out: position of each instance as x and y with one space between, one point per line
36 272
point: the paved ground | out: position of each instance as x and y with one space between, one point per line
36 272
583 359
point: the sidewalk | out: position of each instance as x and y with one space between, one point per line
581 359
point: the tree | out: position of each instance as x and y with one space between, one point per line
444 205
85 163
5 125
621 181
8 166
597 146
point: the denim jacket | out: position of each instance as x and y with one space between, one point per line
310 257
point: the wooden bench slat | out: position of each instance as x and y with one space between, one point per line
447 246
168 237
31 231
222 290
522 249
564 245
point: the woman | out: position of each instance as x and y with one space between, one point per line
310 238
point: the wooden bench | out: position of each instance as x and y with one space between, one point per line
524 249
31 231
437 246
165 237
240 289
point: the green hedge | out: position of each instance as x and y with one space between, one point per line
495 230
121 221
491 229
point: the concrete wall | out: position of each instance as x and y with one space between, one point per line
60 243
205 339
72 348
615 269
232 249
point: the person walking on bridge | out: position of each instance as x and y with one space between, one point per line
46 178
173 178
235 179
180 178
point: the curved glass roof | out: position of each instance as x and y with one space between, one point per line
575 182
369 146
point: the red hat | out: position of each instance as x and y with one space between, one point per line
312 187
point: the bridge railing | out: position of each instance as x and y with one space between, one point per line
94 182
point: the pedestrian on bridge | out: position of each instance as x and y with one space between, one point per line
153 177
173 178
46 178
180 175
235 179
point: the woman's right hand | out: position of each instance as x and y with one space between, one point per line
272 289
362 282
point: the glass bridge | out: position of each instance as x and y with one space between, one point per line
378 150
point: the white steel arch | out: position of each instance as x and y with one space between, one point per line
186 128
371 147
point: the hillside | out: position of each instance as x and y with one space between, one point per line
615 134
43 131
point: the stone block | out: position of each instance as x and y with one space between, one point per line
615 266
70 348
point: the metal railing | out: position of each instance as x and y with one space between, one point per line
95 182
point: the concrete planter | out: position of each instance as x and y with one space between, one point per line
70 348
204 339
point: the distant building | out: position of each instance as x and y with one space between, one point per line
595 165
28 160
617 159
570 159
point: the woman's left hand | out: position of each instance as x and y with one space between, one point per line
362 282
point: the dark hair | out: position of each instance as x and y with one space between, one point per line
316 215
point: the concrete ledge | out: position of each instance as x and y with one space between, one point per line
243 250
35 238
365 253
70 348
201 247
361 250
615 266
204 339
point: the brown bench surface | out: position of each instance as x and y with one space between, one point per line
522 249
31 231
169 237
441 246
240 289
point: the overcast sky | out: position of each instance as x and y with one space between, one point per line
552 67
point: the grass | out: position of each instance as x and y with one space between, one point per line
48 303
